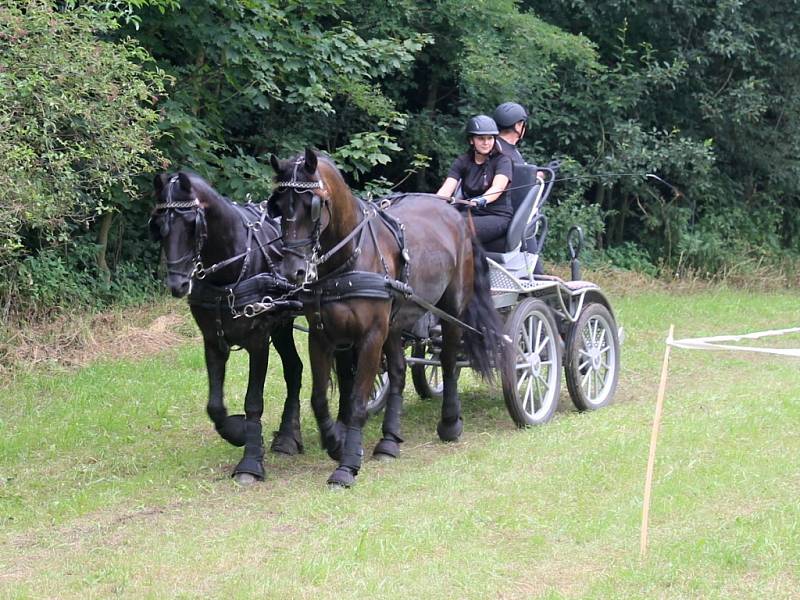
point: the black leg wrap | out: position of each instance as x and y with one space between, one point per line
352 453
252 462
289 443
232 430
389 446
450 432
331 439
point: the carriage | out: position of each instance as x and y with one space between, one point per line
551 322
346 263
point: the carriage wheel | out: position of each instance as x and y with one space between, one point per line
378 396
380 392
592 358
427 379
532 388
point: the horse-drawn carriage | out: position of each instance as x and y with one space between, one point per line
370 279
551 322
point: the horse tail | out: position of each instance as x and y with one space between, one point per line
488 349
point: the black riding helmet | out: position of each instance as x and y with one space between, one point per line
509 113
481 125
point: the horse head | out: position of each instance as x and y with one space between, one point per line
178 223
302 200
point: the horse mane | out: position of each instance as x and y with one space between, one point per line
202 187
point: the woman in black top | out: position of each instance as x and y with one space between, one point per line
484 173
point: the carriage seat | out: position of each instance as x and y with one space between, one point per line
523 200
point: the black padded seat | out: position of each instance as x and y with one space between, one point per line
523 196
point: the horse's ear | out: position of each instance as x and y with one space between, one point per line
311 161
159 181
185 182
273 160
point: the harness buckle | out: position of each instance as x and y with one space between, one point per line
231 301
311 271
199 271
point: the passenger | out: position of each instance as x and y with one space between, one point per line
512 121
484 173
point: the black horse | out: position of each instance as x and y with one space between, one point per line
225 256
368 275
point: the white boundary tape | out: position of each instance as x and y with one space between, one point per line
704 343
712 343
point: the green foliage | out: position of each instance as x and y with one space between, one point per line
76 125
705 96
631 257
66 277
253 78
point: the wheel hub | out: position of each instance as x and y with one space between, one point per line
594 355
535 363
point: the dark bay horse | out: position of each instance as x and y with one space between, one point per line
225 256
363 275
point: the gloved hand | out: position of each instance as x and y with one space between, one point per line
479 202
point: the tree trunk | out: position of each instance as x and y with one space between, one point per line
102 241
599 198
618 233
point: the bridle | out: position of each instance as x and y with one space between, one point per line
200 230
317 203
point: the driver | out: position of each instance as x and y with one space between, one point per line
483 173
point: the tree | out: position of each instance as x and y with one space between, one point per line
76 125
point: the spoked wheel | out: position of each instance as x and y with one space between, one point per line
380 392
532 387
592 359
427 378
378 396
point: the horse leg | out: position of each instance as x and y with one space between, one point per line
288 439
251 467
230 428
321 355
389 444
451 425
369 360
346 361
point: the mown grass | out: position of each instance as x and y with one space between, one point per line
113 483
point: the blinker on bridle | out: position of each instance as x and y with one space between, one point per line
200 227
305 187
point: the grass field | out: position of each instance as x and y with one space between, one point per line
114 484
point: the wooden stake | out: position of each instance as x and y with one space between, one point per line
648 482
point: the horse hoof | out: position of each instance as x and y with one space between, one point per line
450 432
341 478
249 466
245 479
232 430
286 445
384 458
386 450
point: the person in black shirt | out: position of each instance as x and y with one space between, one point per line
483 172
512 121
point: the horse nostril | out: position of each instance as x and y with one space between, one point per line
299 275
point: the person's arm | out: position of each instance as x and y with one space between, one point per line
448 188
502 175
499 184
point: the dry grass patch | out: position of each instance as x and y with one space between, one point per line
74 341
